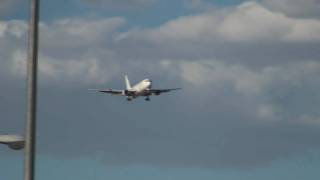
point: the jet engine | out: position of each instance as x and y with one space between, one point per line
16 146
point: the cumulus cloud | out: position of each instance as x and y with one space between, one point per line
244 78
295 8
262 87
13 35
216 73
248 22
88 70
249 77
58 40
77 32
13 29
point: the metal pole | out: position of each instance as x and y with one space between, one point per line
30 136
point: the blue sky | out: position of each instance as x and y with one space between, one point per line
92 168
159 12
248 108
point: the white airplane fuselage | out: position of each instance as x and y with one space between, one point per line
140 89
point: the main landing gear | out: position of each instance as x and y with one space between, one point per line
147 98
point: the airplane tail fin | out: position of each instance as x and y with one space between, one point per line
128 86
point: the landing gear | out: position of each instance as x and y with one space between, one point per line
129 98
147 99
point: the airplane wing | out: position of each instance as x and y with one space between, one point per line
159 91
109 91
10 139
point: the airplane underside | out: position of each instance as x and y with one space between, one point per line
131 95
130 98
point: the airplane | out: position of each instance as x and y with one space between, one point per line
143 88
14 142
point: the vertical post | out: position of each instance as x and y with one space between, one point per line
30 134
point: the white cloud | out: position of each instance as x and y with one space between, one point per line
19 63
90 42
304 30
312 120
252 22
217 74
2 29
267 112
69 49
297 8
77 32
259 89
245 80
248 22
216 90
89 70
94 51
13 28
